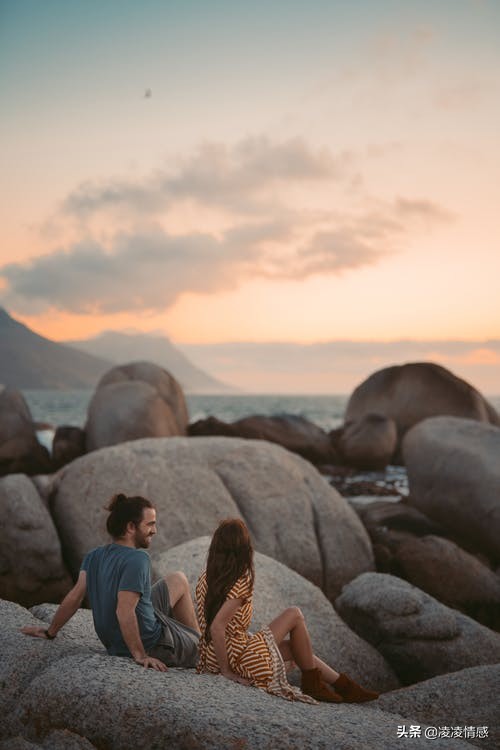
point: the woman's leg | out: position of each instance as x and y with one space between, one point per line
292 621
299 648
327 673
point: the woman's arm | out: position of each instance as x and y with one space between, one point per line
218 633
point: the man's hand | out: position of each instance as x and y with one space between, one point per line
149 662
35 631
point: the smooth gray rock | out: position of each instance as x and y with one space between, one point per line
450 575
293 432
412 392
470 697
418 636
367 442
58 739
158 378
454 476
20 451
68 444
135 401
113 703
80 629
276 588
291 511
31 565
22 658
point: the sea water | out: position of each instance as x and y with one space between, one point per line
56 408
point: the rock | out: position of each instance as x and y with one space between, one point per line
113 703
79 628
454 475
450 575
20 451
389 525
135 401
278 587
397 516
58 739
418 636
294 433
157 377
292 512
412 392
467 698
368 442
68 444
31 564
23 658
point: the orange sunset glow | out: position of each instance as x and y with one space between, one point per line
336 182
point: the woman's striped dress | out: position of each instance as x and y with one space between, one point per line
255 657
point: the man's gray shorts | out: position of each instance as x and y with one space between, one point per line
178 644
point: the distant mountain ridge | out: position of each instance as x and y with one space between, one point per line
29 361
126 347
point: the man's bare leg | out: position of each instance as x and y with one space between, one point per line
180 599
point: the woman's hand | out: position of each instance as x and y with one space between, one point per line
230 675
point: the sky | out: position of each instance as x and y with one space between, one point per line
294 172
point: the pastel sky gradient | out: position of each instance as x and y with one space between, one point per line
303 171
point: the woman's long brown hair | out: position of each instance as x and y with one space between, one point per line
230 556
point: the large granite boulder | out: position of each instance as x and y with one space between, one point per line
113 703
451 575
291 511
467 698
412 392
400 516
294 433
20 451
135 401
68 444
418 636
278 587
366 443
58 739
31 565
454 476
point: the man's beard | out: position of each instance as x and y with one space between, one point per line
142 541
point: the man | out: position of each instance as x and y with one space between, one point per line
155 625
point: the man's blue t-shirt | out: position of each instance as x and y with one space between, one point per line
115 568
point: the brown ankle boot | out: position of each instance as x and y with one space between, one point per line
316 687
351 692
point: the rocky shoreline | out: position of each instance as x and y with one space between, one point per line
402 591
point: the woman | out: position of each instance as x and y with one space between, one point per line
224 604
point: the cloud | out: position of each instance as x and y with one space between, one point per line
216 174
142 271
141 259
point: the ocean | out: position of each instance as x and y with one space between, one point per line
70 407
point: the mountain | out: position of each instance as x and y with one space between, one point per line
125 347
28 360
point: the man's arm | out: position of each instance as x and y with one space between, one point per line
127 620
69 605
